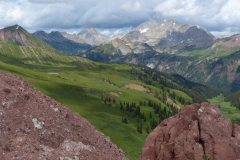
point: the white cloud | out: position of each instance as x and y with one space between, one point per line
178 8
215 15
229 12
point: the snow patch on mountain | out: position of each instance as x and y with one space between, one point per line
151 65
144 30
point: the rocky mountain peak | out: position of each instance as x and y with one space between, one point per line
170 35
93 37
15 34
88 31
52 36
88 36
40 32
14 27
198 132
144 27
57 35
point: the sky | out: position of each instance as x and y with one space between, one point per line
110 16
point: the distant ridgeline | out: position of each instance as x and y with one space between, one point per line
168 46
123 101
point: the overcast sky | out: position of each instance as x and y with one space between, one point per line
218 16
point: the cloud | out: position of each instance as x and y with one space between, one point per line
215 15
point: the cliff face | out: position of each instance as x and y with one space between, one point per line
198 132
34 126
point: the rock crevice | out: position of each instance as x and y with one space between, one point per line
201 142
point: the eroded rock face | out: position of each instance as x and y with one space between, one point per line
198 132
35 127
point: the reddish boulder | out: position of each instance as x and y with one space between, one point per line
35 127
198 132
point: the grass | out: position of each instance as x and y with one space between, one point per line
218 51
80 87
226 108
80 84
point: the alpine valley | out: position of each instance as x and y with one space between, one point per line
124 85
172 47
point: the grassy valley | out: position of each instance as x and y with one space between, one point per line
85 88
124 102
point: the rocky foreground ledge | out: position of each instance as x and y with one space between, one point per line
198 132
35 127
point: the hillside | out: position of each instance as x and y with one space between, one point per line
34 126
170 35
219 72
16 44
59 42
124 102
216 66
176 48
16 34
150 36
111 97
88 36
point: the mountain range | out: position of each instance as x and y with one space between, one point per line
168 36
151 72
123 101
65 45
168 46
135 87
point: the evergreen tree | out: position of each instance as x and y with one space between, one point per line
139 127
153 123
105 101
114 101
147 129
150 115
137 112
124 120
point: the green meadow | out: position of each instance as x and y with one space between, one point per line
96 90
81 88
228 110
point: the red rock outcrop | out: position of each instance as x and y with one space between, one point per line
198 132
35 127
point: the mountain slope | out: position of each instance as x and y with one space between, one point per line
59 42
170 35
16 43
16 34
34 126
218 72
228 42
115 50
89 36
153 38
97 92
150 36
217 65
125 102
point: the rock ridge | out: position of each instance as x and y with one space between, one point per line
198 132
